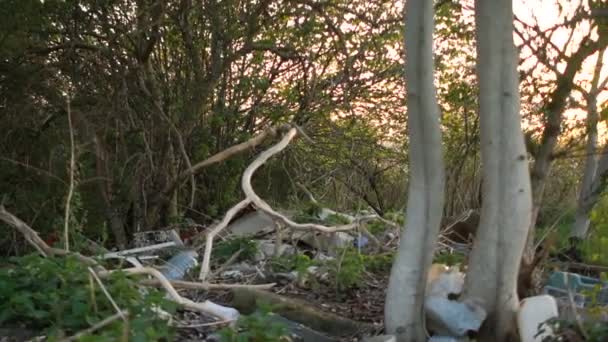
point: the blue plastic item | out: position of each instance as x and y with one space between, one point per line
560 284
180 264
361 241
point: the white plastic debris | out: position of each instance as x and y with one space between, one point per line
180 264
235 274
341 240
454 318
532 313
267 248
380 338
224 312
445 339
447 283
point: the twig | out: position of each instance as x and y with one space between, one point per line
139 250
32 237
206 307
265 207
107 294
103 323
552 228
223 155
211 235
577 317
201 325
66 223
207 286
35 169
228 262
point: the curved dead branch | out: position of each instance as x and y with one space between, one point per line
33 239
221 156
265 207
206 307
213 232
252 198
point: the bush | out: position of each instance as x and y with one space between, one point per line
449 259
296 262
346 271
59 297
257 327
223 250
595 248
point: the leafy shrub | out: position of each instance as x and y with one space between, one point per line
309 213
336 219
58 297
223 250
376 227
257 327
449 259
593 326
380 263
571 331
296 262
346 271
397 217
595 248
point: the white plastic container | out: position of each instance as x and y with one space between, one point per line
532 312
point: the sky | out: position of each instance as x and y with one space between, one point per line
548 15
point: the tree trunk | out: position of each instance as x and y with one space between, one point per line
543 157
586 199
590 194
507 203
584 205
405 295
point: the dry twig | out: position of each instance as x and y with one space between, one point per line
32 237
101 324
206 307
207 286
68 200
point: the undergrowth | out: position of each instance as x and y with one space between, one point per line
595 247
59 297
223 250
257 327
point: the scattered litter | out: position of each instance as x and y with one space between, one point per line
445 339
251 224
266 250
562 284
453 318
448 284
532 313
225 312
235 274
179 265
380 338
138 250
155 237
361 241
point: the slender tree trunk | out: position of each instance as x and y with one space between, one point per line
543 157
584 205
404 313
507 202
590 194
554 117
586 198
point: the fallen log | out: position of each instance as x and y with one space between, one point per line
246 300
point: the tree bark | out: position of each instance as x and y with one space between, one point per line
405 295
507 202
584 205
590 194
586 198
554 110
